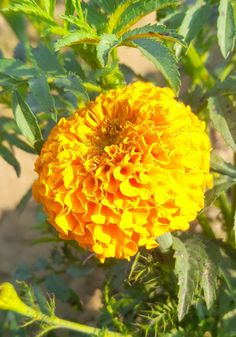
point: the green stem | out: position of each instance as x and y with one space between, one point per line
196 62
231 234
226 211
64 324
92 87
59 323
203 221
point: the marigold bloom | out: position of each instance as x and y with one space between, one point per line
128 167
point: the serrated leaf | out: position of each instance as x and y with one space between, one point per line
224 119
196 267
95 16
30 8
138 10
8 156
220 166
76 38
226 30
47 60
195 18
152 31
106 44
218 189
162 58
27 122
115 17
209 282
41 92
72 83
188 272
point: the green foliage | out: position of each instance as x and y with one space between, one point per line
161 58
226 27
27 122
186 287
195 18
224 119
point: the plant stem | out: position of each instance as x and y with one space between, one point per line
92 87
59 323
64 324
203 221
231 234
198 64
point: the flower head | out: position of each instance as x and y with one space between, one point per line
9 300
128 167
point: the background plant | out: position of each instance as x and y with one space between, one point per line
187 287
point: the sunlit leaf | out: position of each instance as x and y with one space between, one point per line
226 30
195 18
162 58
27 122
153 31
75 39
220 166
223 117
106 44
212 194
138 10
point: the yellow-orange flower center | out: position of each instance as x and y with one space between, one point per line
130 166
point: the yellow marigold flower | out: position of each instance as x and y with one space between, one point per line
128 167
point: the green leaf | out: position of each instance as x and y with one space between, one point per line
27 122
162 58
218 189
165 241
69 7
220 166
115 17
31 8
72 83
106 44
76 38
188 272
16 69
224 119
226 31
18 25
8 156
226 87
152 31
195 18
41 92
138 10
49 6
47 60
14 140
234 227
196 267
